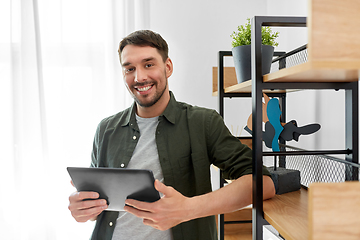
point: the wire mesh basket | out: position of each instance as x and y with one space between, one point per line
290 59
321 168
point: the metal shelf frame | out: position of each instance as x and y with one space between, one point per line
351 114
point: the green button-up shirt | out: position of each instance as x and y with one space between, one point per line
189 139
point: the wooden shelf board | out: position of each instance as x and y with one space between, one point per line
231 85
317 72
245 87
334 216
236 231
240 236
288 214
306 72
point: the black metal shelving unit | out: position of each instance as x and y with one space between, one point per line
351 111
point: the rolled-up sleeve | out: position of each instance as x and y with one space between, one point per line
226 150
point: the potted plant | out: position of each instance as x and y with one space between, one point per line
241 43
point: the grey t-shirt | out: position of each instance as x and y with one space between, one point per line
145 156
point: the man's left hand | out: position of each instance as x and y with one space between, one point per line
169 211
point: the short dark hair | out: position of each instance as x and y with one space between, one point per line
144 38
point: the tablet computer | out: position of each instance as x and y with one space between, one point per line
115 185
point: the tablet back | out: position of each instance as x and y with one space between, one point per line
115 184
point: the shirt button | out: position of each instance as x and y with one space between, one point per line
110 224
134 137
122 165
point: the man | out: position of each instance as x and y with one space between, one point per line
178 142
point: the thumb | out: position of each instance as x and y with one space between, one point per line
162 188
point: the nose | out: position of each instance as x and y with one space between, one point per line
140 75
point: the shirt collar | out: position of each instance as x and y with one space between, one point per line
130 116
169 113
170 110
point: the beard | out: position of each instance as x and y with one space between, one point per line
158 94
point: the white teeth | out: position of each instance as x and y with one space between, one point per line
143 89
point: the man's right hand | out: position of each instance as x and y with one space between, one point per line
82 210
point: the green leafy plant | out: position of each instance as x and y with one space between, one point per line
243 36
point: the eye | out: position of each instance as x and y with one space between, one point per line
149 65
128 70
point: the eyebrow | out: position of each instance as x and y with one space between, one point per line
144 60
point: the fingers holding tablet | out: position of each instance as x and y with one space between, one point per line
86 206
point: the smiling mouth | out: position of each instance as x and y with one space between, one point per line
143 88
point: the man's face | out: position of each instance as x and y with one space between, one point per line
145 74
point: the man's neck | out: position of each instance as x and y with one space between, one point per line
155 110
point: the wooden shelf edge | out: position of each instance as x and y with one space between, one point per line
239 89
317 71
288 214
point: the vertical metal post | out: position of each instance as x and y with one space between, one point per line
256 75
352 129
221 83
221 112
282 159
282 63
221 221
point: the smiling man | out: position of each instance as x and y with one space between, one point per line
178 143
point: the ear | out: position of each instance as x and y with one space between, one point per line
169 67
122 69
